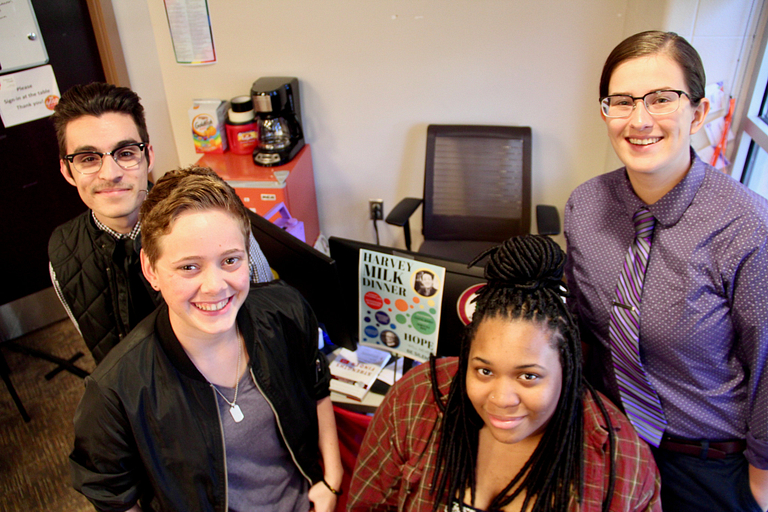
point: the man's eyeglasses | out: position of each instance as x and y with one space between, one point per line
656 102
128 157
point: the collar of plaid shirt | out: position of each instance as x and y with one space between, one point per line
117 236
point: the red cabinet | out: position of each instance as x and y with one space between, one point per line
263 188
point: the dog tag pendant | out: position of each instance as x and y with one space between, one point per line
236 413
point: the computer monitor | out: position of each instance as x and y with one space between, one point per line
308 270
460 282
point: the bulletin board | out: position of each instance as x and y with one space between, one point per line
21 43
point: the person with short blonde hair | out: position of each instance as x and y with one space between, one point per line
105 152
178 193
219 399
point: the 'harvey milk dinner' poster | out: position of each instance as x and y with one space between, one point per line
400 304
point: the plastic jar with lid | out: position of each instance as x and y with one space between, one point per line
242 131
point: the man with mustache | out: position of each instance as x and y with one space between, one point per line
104 152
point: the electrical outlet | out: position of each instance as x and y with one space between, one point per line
376 209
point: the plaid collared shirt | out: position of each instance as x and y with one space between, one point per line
117 236
396 463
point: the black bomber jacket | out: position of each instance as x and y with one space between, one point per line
147 429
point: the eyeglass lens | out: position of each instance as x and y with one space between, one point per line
659 102
126 157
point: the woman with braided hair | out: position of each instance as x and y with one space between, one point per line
510 424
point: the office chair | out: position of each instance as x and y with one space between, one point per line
477 191
62 365
5 374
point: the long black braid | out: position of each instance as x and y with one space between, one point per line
524 282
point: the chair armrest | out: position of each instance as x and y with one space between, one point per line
402 212
547 220
401 216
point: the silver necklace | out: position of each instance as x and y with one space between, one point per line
234 409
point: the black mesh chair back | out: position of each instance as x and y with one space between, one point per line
477 186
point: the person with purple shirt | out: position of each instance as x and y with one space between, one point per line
700 328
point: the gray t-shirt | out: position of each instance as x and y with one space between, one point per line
261 474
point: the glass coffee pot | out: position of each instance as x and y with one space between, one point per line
278 116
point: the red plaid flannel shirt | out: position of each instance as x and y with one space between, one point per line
396 463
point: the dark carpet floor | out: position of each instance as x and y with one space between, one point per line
34 474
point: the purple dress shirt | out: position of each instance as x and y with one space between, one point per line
704 309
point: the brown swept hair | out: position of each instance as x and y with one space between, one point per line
653 42
96 99
190 188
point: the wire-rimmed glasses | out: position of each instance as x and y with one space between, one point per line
658 103
128 157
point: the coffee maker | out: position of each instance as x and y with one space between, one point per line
278 117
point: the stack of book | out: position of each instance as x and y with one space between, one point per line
353 373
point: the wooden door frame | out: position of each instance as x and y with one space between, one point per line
108 42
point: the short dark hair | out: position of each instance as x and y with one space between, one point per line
95 99
191 188
652 42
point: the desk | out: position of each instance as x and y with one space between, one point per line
352 425
372 400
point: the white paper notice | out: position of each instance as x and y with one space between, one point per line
28 95
716 95
191 31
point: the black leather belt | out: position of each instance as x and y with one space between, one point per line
703 449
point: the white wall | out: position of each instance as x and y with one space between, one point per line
141 60
720 33
375 74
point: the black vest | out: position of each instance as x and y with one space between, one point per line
101 281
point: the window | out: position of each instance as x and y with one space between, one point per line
751 160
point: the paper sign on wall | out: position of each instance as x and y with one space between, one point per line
28 95
191 32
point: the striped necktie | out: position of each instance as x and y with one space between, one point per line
640 400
